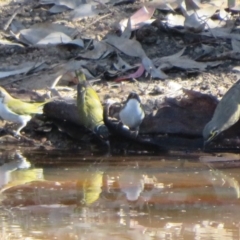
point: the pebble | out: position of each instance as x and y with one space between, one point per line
37 19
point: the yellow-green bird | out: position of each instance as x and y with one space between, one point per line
226 114
90 107
17 111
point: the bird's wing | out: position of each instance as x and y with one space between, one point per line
95 107
23 108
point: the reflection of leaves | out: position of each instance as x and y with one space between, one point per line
91 187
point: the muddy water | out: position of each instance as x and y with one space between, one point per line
59 195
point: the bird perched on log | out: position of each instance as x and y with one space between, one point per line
17 111
89 107
132 114
226 114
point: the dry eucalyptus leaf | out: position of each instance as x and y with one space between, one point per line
196 19
190 5
101 50
70 4
122 65
77 42
6 42
83 11
164 5
22 68
193 23
129 47
174 56
152 70
173 20
58 9
60 38
127 31
183 62
235 45
219 3
205 50
16 26
206 12
138 19
223 15
40 31
54 38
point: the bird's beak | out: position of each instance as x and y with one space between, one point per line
207 141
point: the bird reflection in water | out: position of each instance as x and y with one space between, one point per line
17 171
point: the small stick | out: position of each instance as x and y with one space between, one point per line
11 18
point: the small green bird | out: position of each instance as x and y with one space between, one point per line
17 111
90 107
132 113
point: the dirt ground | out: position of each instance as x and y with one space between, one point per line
156 43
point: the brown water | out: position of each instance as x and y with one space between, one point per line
68 196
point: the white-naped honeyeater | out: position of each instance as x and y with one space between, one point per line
226 114
132 114
90 108
17 111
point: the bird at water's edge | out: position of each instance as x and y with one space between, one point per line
226 114
132 113
17 111
89 107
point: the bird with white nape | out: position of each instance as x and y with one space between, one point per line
132 114
17 111
226 114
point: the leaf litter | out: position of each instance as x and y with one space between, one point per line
186 38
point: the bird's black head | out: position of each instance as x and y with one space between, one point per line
133 95
101 131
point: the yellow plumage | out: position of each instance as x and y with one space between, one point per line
89 104
15 110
